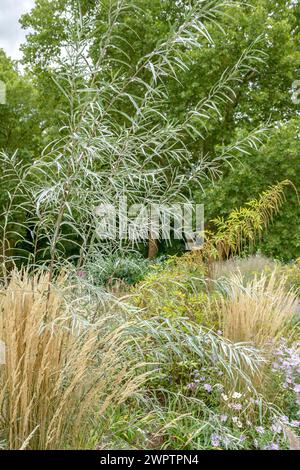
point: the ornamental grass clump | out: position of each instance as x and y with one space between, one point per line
259 311
56 374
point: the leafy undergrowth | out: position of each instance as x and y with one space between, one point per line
199 405
183 362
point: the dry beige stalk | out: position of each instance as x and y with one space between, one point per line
293 439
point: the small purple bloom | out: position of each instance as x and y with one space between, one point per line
272 446
215 440
207 387
284 419
297 388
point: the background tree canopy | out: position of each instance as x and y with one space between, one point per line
32 118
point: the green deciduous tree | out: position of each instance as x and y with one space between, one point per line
256 96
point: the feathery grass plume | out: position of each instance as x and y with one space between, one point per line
258 311
56 375
248 266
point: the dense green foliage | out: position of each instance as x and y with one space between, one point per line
278 160
264 93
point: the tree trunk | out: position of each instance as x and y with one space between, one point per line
152 248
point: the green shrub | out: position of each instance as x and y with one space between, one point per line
130 269
176 289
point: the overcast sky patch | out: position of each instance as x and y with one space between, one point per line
11 33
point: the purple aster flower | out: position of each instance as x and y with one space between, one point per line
223 418
294 423
215 440
297 388
272 446
207 387
284 419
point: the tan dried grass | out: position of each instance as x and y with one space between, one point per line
259 311
56 376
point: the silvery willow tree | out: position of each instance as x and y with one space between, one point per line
117 139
